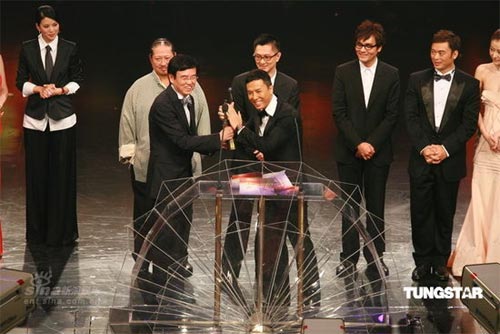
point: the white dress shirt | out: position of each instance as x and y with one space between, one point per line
186 109
270 110
441 91
367 76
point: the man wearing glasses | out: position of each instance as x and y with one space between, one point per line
266 54
366 94
173 139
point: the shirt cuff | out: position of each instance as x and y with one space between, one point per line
72 87
28 88
445 151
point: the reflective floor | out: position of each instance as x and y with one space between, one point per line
87 280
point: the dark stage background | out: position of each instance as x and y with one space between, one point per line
316 36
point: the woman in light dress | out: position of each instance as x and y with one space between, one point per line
479 239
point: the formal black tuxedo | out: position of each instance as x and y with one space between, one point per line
434 188
357 123
278 143
173 141
285 88
67 68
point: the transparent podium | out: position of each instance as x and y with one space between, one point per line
249 247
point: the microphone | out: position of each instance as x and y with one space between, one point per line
295 115
225 108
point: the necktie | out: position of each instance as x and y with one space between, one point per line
438 77
49 63
187 101
262 114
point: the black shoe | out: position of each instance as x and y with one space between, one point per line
441 272
183 269
186 270
421 272
345 269
372 270
175 292
312 295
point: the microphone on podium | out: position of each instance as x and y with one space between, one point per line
225 108
296 115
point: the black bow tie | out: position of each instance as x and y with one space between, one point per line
438 77
187 101
263 113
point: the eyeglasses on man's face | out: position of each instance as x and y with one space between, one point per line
265 58
368 47
186 78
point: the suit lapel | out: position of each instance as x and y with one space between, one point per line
456 89
427 91
37 57
278 84
62 53
272 120
178 107
376 83
192 125
358 83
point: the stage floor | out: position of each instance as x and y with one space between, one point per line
86 276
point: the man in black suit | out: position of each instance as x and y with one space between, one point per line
365 109
271 136
267 54
173 139
441 107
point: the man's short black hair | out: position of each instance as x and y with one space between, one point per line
181 62
257 74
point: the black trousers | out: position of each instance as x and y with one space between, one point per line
433 202
51 217
371 180
237 234
170 248
142 204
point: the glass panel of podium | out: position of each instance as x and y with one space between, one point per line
250 247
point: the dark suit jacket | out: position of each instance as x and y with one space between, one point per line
458 124
357 123
173 141
67 68
279 143
285 88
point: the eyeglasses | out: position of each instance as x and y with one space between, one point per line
266 58
186 78
367 47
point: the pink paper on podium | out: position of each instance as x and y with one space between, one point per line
268 184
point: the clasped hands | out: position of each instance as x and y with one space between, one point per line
49 90
493 140
434 154
365 151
